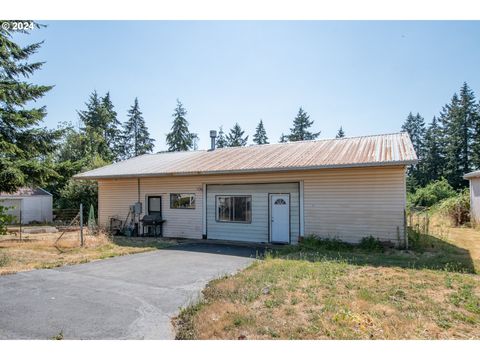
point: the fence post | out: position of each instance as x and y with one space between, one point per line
81 225
20 225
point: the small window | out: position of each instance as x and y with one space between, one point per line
154 205
280 202
234 209
182 201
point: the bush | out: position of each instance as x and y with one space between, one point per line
5 219
457 207
371 244
431 194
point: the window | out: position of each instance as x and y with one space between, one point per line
234 208
154 205
280 202
182 201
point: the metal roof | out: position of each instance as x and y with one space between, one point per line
25 192
471 175
375 150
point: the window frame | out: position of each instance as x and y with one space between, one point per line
194 195
249 198
149 212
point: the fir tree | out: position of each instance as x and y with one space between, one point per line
458 120
111 126
432 162
340 133
221 141
415 127
180 138
283 138
476 141
135 136
260 137
235 137
24 146
301 124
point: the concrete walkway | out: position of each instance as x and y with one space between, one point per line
127 297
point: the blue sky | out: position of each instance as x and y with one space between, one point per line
364 76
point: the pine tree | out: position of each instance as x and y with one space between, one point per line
24 146
340 133
221 141
235 137
135 136
260 137
458 120
476 141
111 127
432 162
283 138
301 124
180 138
415 127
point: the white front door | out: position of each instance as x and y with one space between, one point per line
280 218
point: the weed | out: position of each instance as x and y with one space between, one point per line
59 336
370 243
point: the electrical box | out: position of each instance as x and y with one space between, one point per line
138 208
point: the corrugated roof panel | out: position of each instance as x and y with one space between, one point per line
345 152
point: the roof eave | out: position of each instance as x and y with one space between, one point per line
246 171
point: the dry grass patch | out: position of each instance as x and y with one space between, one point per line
41 251
296 299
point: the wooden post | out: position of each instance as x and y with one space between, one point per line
81 225
20 225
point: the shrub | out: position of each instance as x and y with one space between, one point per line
431 194
5 219
371 244
457 207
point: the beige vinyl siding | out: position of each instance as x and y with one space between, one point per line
258 229
475 200
347 203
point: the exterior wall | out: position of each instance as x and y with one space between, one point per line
258 229
34 208
347 203
475 200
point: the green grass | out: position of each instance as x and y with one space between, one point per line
325 289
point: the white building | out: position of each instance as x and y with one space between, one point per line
28 204
474 179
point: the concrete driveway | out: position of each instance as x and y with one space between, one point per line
127 297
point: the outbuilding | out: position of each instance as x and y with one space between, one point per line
346 188
28 205
474 180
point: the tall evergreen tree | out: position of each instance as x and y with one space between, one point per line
476 141
458 119
414 125
260 137
340 133
235 137
432 162
221 141
180 138
25 147
112 127
135 136
301 124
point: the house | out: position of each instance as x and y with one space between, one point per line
28 204
344 188
474 179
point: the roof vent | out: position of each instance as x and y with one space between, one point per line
213 135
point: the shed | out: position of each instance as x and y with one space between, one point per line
346 188
474 180
29 204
